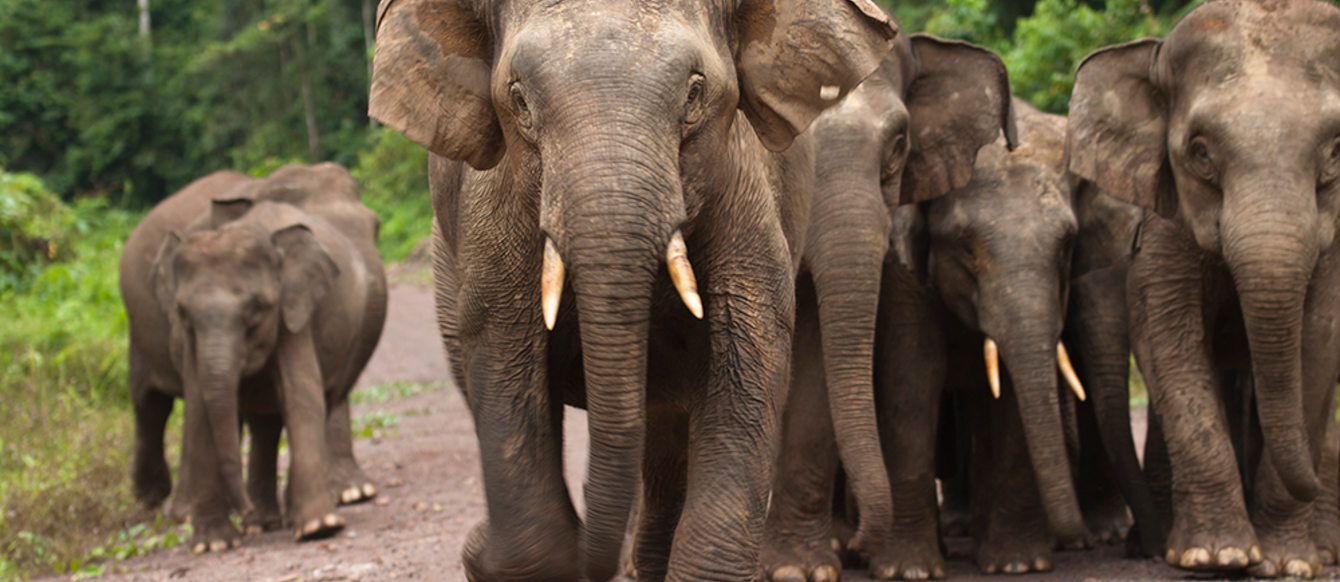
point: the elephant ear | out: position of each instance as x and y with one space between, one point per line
225 210
307 274
1117 134
796 58
161 278
957 102
430 79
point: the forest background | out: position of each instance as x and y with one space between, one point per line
106 107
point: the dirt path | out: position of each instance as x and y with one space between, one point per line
431 497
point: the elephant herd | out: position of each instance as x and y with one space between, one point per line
826 290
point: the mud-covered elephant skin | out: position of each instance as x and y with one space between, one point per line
628 175
257 300
975 305
910 132
1228 132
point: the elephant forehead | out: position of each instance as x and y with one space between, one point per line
229 249
1223 42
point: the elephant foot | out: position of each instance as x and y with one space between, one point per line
153 489
1015 552
215 537
1326 534
262 521
909 558
1107 525
1286 554
350 485
484 562
318 528
955 522
1218 545
791 557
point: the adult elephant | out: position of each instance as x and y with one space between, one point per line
1227 130
983 271
910 132
579 148
256 299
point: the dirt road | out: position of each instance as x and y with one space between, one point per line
431 496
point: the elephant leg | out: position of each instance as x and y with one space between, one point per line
348 482
910 377
732 426
1158 474
665 474
150 474
953 449
1014 536
798 544
1210 529
203 497
1100 498
1326 511
262 469
531 532
311 507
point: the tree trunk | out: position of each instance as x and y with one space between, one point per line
308 108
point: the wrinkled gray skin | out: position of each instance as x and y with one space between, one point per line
1096 332
1229 130
258 300
910 132
988 260
603 127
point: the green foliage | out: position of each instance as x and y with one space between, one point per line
33 227
393 173
390 391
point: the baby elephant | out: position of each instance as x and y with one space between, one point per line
257 300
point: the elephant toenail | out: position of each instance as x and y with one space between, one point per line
1195 557
836 544
1042 565
1171 556
237 542
331 520
369 490
1264 570
825 574
199 548
1254 553
886 573
1016 568
939 573
1298 568
989 569
349 495
788 574
218 546
915 574
1232 557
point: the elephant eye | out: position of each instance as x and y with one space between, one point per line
1332 166
693 99
522 108
1201 161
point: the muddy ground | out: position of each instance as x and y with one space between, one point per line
431 496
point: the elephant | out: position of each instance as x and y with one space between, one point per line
577 148
262 300
977 278
1225 132
910 132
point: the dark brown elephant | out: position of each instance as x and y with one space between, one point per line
258 300
910 132
979 283
584 152
1227 130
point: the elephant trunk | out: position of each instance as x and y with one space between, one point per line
1271 249
845 256
1103 339
611 213
1028 348
219 363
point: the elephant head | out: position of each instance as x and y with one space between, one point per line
232 291
1230 126
622 118
997 252
909 132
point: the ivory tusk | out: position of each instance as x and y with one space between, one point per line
551 283
1068 370
681 273
992 355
